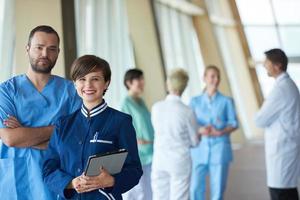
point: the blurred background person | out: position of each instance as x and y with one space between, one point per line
280 116
134 105
175 129
216 117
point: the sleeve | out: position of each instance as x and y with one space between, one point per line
132 169
56 179
7 106
192 127
270 109
231 114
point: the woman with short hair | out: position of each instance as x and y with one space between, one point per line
175 130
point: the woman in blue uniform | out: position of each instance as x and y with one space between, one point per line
217 119
93 129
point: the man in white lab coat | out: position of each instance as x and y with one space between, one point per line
175 130
280 116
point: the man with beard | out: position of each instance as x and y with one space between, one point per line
29 106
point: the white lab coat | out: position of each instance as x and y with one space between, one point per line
280 116
175 132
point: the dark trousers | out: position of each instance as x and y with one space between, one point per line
284 194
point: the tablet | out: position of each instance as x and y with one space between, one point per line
111 161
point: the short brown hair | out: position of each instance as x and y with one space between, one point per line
131 75
277 56
42 28
90 63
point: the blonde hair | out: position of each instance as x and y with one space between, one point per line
177 80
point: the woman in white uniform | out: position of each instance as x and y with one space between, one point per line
175 130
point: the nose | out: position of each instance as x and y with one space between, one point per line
88 83
44 52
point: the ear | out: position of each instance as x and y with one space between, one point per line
27 48
278 67
128 82
107 84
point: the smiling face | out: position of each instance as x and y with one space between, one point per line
91 88
212 78
43 51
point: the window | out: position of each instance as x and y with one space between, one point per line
180 46
104 34
272 24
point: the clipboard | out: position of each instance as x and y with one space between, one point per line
111 161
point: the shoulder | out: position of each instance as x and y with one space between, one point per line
197 98
158 105
119 116
125 101
66 119
225 98
12 85
62 81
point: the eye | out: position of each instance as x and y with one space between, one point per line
81 79
95 79
39 48
53 49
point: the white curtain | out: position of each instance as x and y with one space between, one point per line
7 38
102 30
180 46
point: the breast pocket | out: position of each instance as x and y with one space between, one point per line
14 182
102 144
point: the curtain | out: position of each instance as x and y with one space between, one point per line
7 38
102 30
180 46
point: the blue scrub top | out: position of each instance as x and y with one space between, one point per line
20 168
219 112
81 135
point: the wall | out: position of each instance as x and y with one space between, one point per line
29 14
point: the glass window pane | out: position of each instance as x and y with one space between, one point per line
294 72
255 12
266 82
290 40
287 11
261 39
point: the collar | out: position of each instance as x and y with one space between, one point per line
212 98
95 111
173 97
282 76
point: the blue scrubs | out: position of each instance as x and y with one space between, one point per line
20 168
83 134
213 154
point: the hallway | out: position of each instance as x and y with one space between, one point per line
247 178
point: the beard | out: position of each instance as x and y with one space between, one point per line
39 68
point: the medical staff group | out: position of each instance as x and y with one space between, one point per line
50 126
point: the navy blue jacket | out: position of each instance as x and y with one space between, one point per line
82 134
